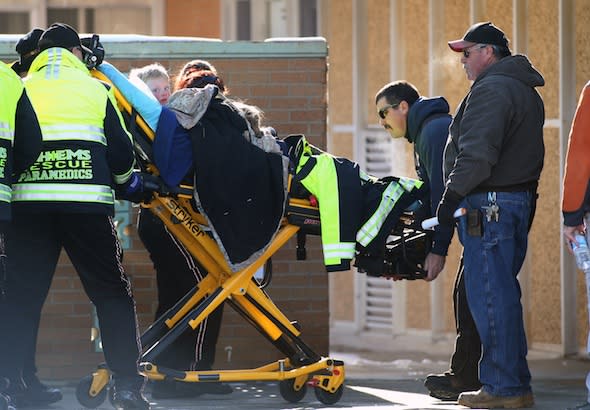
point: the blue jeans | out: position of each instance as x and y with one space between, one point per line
492 262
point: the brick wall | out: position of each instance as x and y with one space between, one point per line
292 93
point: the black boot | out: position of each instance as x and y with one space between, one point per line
6 402
14 392
447 386
39 394
128 395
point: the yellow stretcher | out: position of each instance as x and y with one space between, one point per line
301 368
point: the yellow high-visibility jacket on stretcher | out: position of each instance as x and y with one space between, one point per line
357 210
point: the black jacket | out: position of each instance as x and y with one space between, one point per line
238 186
497 133
27 136
24 150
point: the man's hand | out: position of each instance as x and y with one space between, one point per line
139 187
447 207
569 233
151 183
433 265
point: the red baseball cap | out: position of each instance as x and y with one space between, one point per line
482 33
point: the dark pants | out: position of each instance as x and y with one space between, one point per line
177 272
30 364
465 359
35 243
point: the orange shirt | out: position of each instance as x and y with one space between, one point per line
577 163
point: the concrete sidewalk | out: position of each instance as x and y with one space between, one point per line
385 380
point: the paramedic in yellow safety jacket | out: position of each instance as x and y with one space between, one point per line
20 143
20 135
65 200
38 393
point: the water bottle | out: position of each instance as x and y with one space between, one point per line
587 225
582 253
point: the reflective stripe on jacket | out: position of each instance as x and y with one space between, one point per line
11 89
72 169
354 206
390 197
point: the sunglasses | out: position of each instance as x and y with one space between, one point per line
467 52
383 111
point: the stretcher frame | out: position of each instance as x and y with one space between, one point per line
301 367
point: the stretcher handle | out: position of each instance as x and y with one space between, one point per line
430 223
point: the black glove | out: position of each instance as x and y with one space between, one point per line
447 207
139 187
151 183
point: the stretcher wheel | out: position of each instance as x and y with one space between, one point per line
289 392
327 397
85 398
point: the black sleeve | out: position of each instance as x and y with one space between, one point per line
120 154
434 140
27 135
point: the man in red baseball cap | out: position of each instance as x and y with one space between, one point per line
482 33
493 161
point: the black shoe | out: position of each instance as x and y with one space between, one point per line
447 386
14 392
129 399
6 402
37 393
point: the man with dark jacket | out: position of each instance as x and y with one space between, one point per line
426 125
424 122
493 161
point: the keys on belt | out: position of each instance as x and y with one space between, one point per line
492 211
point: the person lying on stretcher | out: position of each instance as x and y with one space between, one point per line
202 129
237 168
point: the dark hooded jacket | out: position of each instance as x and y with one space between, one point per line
496 139
239 187
428 129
